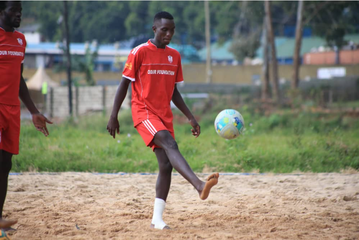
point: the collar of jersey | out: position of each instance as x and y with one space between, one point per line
6 31
153 46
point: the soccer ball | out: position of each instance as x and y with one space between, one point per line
229 124
3 235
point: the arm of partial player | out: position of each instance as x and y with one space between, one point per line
181 105
38 119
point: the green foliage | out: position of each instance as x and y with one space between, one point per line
224 25
245 46
84 64
193 22
332 20
112 21
137 21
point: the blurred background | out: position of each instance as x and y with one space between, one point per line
275 53
289 67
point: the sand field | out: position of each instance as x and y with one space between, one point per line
74 206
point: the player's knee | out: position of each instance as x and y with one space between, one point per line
172 144
165 140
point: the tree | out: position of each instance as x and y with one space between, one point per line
208 43
271 41
136 21
247 30
265 70
68 56
88 64
49 17
194 20
298 44
332 21
223 26
103 21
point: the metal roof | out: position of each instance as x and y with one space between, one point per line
284 46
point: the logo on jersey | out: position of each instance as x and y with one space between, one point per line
19 40
128 65
170 58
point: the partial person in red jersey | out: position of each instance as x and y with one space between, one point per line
12 86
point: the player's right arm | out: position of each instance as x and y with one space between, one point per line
113 125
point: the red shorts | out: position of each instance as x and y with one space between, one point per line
149 127
9 128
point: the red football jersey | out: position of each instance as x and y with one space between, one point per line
12 53
154 73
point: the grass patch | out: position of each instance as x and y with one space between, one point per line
279 143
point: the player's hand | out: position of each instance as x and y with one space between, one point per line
40 121
196 129
113 126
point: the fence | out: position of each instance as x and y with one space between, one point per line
85 99
88 99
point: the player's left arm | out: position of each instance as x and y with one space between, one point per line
181 105
38 119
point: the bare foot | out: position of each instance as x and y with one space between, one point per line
211 181
7 223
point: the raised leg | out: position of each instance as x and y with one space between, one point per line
165 140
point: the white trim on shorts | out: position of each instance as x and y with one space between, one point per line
149 127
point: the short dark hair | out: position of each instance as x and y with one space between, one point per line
162 14
3 4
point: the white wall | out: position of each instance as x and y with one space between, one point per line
90 99
32 37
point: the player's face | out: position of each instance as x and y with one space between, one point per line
11 15
164 30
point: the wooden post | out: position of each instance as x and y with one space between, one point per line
77 100
104 90
51 102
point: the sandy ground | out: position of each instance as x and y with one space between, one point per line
114 206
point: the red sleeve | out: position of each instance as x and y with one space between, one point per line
133 63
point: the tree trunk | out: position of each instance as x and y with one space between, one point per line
298 44
265 70
274 64
68 56
208 42
337 55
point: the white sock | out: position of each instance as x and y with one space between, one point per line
158 209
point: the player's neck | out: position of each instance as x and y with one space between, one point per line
153 41
6 27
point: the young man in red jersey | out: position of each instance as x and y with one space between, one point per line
154 69
12 86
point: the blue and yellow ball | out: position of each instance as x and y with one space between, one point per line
3 235
229 124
